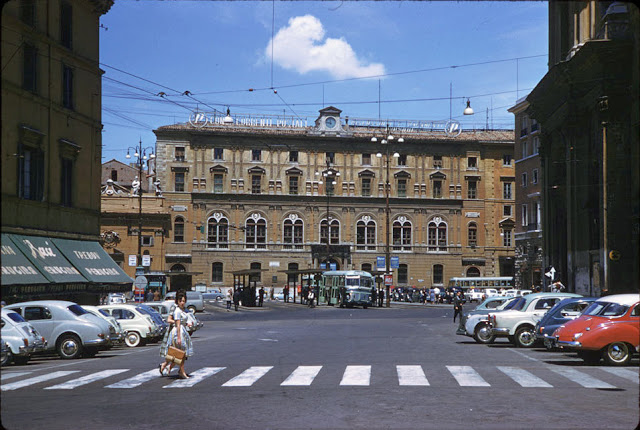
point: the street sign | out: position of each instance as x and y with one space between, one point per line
388 280
380 262
550 272
333 266
146 260
141 282
395 262
133 260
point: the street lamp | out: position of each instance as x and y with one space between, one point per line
330 176
141 154
386 143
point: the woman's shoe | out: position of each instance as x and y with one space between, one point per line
183 376
160 369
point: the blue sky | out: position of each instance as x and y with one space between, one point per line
393 60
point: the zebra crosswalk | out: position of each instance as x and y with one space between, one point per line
350 376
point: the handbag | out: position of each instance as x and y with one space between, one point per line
175 355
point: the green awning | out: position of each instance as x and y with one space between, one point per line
92 261
16 268
44 255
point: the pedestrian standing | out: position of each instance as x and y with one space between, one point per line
229 297
178 336
374 296
458 300
310 297
156 295
149 295
260 296
380 297
236 298
285 291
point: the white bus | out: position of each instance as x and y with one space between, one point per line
475 288
347 288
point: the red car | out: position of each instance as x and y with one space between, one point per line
609 328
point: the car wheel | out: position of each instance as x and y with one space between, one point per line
132 339
192 309
483 334
617 354
6 358
525 337
69 346
218 299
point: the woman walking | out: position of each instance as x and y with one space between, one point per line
178 336
229 297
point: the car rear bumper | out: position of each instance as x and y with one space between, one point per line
568 344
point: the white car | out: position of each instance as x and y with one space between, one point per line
21 338
68 328
138 326
518 323
116 332
476 323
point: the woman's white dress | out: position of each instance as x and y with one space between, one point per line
171 336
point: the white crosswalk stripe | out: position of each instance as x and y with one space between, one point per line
37 380
70 385
411 376
523 377
195 377
353 375
631 375
137 380
7 376
248 377
302 376
581 378
356 375
467 377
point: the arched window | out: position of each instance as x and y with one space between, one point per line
437 235
293 235
473 235
178 229
178 268
217 231
334 231
255 233
216 272
366 234
438 274
473 272
401 234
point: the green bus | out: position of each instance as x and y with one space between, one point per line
347 288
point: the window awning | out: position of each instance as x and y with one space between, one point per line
16 268
92 261
43 254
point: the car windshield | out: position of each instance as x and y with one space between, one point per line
77 310
516 304
506 303
16 317
143 310
103 312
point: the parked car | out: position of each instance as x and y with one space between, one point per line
116 298
138 325
194 300
564 311
156 317
608 329
213 296
476 323
518 323
21 338
163 308
116 332
68 329
5 357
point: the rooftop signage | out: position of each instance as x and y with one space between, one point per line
451 128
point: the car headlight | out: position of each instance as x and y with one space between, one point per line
577 336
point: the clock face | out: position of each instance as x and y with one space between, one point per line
330 122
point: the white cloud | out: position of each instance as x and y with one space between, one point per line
301 46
